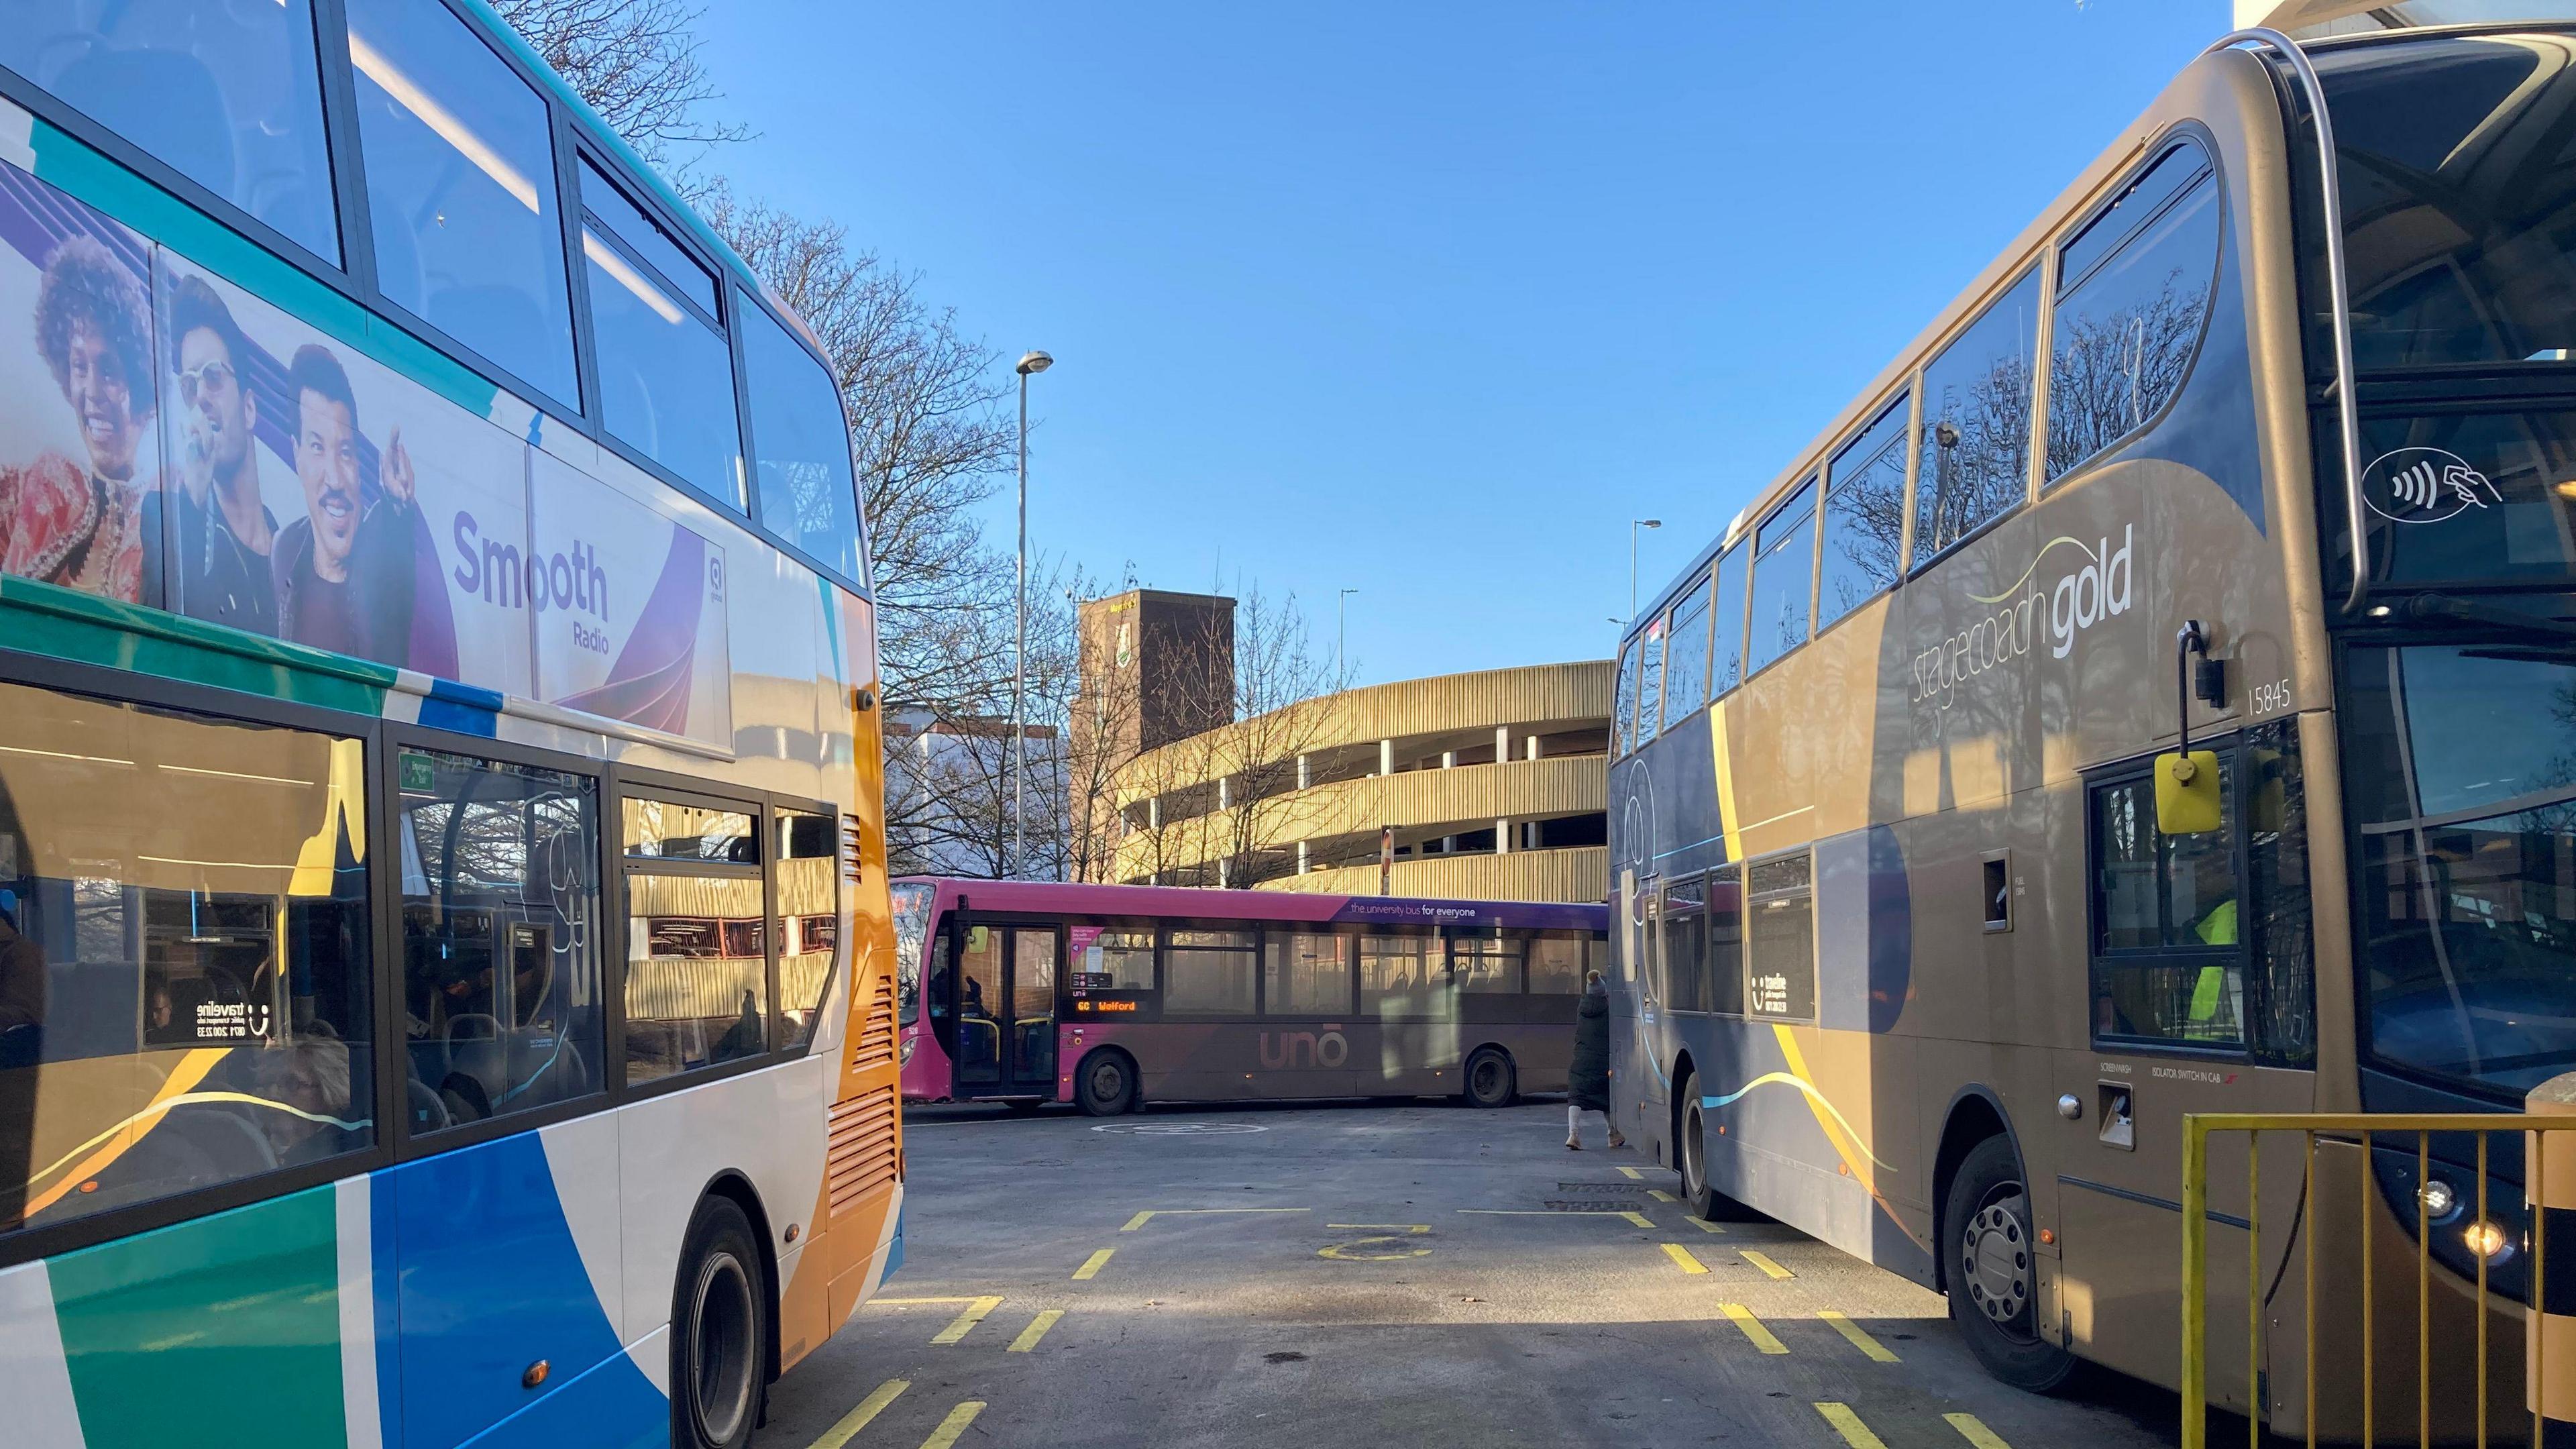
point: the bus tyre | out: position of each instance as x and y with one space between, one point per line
1106 1084
719 1332
1992 1272
1490 1078
1690 1154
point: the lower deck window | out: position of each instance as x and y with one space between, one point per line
1209 973
1780 972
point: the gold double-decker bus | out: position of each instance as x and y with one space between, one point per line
1906 959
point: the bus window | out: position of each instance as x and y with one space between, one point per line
226 968
461 193
911 929
1726 941
665 371
1306 975
808 496
1976 423
500 900
229 96
1685 944
1484 962
2134 288
1726 640
1781 965
1623 709
1209 973
1113 960
1556 966
1650 680
1864 516
1402 976
697 947
2168 958
1686 651
1784 573
808 882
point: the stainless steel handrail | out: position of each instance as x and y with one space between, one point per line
2339 293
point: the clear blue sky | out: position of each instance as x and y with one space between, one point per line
1430 299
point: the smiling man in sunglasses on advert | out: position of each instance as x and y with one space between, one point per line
217 567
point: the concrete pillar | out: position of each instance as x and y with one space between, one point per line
1301 857
1502 743
1386 757
1305 773
1448 759
1531 744
1224 873
1502 837
1224 793
1154 813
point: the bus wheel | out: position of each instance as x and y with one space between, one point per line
1108 1084
1489 1078
1993 1273
719 1356
1690 1153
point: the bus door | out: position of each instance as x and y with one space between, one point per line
1006 1011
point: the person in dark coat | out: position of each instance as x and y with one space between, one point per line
1587 1081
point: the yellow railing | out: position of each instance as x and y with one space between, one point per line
2369 1132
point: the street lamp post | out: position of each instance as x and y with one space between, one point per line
1341 634
1033 363
1633 525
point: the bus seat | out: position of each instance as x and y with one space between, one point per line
428 1110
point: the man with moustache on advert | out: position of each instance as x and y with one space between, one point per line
344 570
80 524
220 534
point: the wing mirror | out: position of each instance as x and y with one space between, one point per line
2187 793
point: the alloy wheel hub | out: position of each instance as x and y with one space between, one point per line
1995 1263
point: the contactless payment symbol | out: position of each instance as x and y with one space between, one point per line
2424 485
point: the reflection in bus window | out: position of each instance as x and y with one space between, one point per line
1975 447
1209 973
1726 941
1685 942
1306 975
1114 961
1686 667
1781 968
1864 516
1623 708
696 972
1556 966
461 194
500 917
1484 961
1726 640
911 928
809 920
1784 574
2168 960
2130 309
182 920
229 96
801 446
668 830
1403 976
1650 680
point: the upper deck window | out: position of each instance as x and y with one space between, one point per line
807 494
2458 174
1864 516
1623 709
1650 681
2133 294
1976 423
665 373
1784 577
1686 655
461 191
229 96
1726 639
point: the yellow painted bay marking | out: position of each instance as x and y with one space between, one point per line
1845 1422
1092 1265
1975 1432
955 1424
1640 1219
1141 1219
1859 1337
1632 1174
1381 1227
1765 1264
1704 1225
859 1418
1036 1330
1342 1253
912 1302
1659 1195
964 1323
1682 1258
1762 1337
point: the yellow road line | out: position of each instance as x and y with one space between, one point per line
1092 1265
1036 1330
1381 1227
1659 1195
1632 1174
1762 1337
859 1418
1681 1257
1765 1264
1974 1432
964 1323
1704 1225
1845 1422
1141 1219
954 1425
1640 1219
1859 1337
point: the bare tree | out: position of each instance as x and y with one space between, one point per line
634 61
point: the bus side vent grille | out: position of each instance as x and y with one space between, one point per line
859 1162
875 1046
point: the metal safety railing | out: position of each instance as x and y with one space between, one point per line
2391 1196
